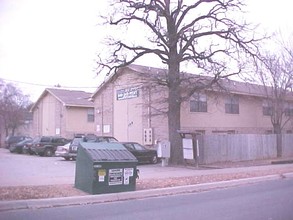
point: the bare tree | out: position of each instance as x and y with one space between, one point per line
14 107
275 71
202 34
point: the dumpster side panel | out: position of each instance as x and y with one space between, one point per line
84 172
114 177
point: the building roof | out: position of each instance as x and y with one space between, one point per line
133 67
231 86
71 98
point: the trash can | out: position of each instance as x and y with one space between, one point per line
105 168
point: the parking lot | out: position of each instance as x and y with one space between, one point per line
33 170
20 169
28 170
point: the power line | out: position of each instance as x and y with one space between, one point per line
44 85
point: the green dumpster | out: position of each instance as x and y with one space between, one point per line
105 168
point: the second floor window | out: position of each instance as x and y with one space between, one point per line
267 108
91 115
289 109
198 103
232 105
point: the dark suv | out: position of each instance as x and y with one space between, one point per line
47 145
87 138
10 140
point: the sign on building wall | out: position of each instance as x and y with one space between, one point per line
127 93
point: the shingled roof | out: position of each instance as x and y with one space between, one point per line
71 98
227 85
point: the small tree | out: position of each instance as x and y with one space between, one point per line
275 72
202 34
13 107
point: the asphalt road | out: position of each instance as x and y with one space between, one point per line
270 200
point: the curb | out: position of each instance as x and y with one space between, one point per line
95 199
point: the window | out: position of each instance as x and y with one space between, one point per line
198 103
267 108
232 105
91 115
289 109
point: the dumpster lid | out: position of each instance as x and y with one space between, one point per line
107 151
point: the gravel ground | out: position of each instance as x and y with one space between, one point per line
54 191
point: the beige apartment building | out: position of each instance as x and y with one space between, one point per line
127 107
130 108
59 112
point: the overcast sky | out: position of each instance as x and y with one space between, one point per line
48 42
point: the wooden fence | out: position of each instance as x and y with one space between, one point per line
241 147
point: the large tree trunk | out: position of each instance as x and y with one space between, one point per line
174 103
278 132
174 98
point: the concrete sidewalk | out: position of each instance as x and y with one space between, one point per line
158 172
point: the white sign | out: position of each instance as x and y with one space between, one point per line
127 93
128 172
115 177
188 148
106 128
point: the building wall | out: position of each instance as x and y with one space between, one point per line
48 124
52 118
76 122
128 118
249 120
127 109
104 111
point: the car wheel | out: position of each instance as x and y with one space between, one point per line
31 152
48 152
154 159
67 158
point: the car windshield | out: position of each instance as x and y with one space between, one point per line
76 141
138 146
25 141
37 139
111 139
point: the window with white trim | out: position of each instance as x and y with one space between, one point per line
267 108
198 103
90 114
232 105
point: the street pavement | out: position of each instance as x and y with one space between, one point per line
147 172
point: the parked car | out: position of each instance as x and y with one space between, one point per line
13 140
87 138
73 147
47 145
27 148
18 147
142 154
63 151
